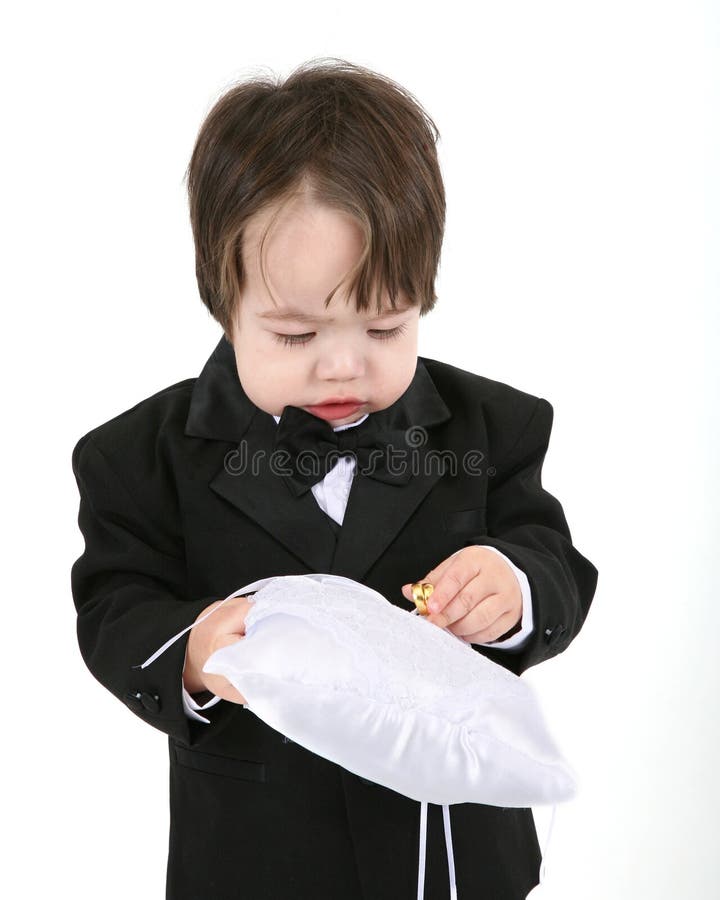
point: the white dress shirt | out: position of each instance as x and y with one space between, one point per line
332 496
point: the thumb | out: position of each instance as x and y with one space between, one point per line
407 588
225 640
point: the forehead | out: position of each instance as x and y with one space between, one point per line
308 251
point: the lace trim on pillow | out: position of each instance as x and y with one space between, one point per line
437 662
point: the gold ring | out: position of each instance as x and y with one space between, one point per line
421 591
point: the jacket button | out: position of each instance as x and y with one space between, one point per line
151 702
552 633
132 699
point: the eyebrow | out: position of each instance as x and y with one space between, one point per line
299 316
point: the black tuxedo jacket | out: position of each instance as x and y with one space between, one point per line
173 520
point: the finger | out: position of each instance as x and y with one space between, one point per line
237 603
482 616
233 614
216 611
225 640
431 576
450 577
467 601
496 630
451 581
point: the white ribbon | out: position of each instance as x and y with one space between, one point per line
448 848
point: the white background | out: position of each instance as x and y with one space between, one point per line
579 145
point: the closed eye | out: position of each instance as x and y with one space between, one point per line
378 334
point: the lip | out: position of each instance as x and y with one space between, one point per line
339 401
332 410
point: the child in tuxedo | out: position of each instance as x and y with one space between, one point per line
317 209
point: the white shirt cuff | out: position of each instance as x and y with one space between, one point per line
190 706
518 640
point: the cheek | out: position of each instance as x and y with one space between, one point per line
403 360
406 371
395 379
263 354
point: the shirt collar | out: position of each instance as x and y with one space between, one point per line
337 427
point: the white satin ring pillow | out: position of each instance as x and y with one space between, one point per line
337 668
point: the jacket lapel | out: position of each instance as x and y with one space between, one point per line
220 410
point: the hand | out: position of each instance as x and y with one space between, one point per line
222 628
476 595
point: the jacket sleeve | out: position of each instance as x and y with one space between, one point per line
528 525
129 590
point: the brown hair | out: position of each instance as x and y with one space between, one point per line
351 138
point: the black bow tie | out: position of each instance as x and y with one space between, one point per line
299 432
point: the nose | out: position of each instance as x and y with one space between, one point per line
341 362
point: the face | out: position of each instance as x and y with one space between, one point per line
297 352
